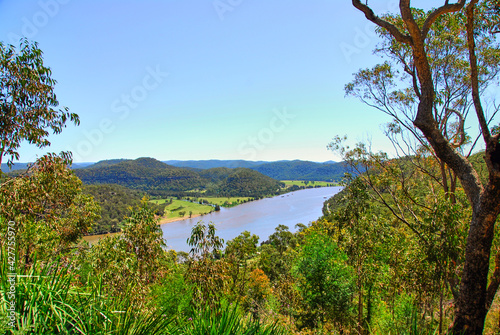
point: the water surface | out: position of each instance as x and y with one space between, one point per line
259 217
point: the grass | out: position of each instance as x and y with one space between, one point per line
289 183
178 207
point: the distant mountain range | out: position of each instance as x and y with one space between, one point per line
24 166
280 170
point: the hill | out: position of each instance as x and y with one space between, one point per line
302 170
215 163
242 182
145 174
158 178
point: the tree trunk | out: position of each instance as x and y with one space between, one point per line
471 306
360 310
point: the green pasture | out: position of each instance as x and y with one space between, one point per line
177 207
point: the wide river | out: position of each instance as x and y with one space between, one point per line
259 217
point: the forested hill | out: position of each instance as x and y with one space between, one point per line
280 170
303 170
215 163
158 178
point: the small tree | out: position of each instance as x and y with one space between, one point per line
238 251
325 282
206 270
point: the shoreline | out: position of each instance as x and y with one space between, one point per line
163 221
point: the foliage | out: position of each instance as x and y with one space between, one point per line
131 261
48 302
325 282
259 289
206 270
226 320
49 209
27 100
238 252
173 293
115 202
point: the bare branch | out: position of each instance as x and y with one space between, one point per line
475 73
460 130
370 15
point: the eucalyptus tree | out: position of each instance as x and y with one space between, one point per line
237 253
28 104
411 48
206 269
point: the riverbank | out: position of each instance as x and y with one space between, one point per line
163 221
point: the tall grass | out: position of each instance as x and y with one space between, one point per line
225 321
48 302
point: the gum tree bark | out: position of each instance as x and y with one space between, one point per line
475 296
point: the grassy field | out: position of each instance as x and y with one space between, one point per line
299 183
179 207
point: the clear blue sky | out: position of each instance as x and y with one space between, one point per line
192 79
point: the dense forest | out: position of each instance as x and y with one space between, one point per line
115 202
409 246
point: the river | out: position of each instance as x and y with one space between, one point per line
259 217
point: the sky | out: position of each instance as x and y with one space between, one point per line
195 80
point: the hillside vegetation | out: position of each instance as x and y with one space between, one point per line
115 202
160 179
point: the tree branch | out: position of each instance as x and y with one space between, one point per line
494 283
370 15
446 8
475 72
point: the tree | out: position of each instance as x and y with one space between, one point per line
325 282
238 251
206 270
49 209
131 261
474 295
27 100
